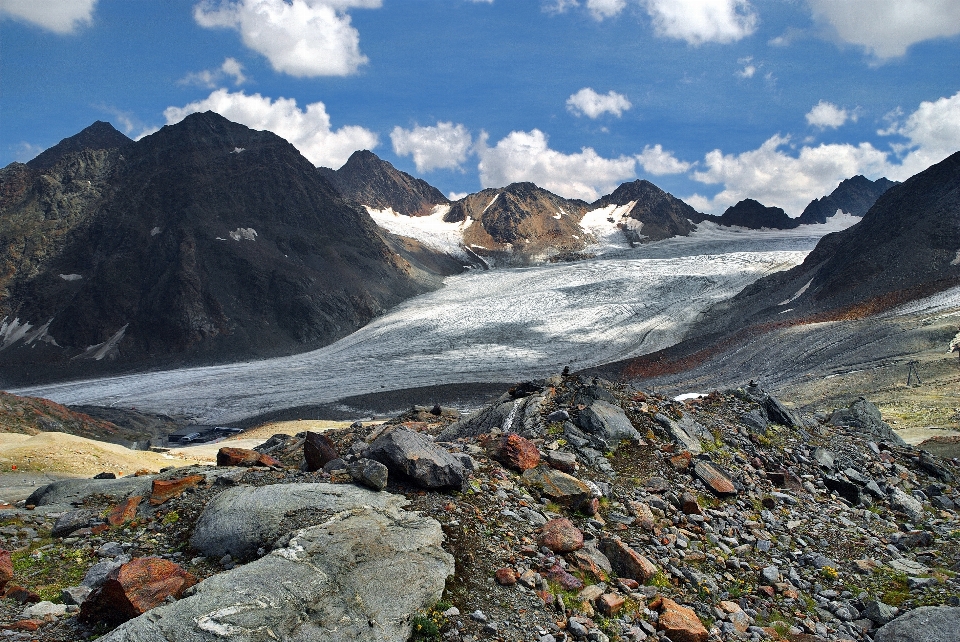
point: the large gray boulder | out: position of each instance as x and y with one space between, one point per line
361 575
506 414
608 422
864 417
73 491
242 519
413 455
678 434
925 624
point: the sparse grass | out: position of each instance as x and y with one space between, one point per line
49 571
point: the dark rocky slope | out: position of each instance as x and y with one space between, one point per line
853 196
206 241
98 136
752 215
372 181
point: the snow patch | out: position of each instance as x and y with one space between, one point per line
71 277
154 231
605 224
12 331
690 395
244 234
492 201
237 150
797 295
956 261
432 231
106 349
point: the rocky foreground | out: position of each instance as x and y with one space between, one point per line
570 509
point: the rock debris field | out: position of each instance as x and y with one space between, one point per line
499 325
569 509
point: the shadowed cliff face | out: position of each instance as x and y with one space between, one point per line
662 214
205 241
853 196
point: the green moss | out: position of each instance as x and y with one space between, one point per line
49 571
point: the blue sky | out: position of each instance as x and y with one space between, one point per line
713 100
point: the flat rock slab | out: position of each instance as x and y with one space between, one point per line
361 575
925 624
716 481
562 488
69 491
242 519
678 434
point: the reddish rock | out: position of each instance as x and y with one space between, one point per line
643 514
626 561
768 591
689 504
678 622
244 457
125 511
590 507
135 588
610 604
785 479
24 625
681 461
21 595
164 490
591 561
318 451
6 568
716 481
513 451
561 536
506 577
627 584
565 580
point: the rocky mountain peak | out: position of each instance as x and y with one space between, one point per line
375 183
99 135
662 215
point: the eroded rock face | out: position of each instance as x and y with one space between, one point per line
240 520
361 575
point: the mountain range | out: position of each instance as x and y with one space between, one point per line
208 242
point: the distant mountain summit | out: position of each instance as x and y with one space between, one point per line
660 214
205 241
753 215
853 196
98 136
372 181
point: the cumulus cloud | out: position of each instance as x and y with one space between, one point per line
308 130
749 69
658 162
558 6
526 156
775 176
303 38
58 16
442 146
825 114
601 9
886 28
210 78
700 21
589 103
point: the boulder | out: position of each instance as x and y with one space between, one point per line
924 624
559 575
73 491
6 568
679 436
361 575
755 420
562 488
520 415
716 481
513 451
75 594
562 461
369 473
780 414
679 623
865 419
318 450
904 503
72 521
97 574
608 422
163 490
242 519
561 536
42 610
245 457
590 560
416 457
626 561
135 588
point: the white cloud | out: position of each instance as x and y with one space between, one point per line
25 151
443 146
700 21
308 130
558 6
886 28
525 156
210 78
748 70
658 162
303 38
825 114
601 9
456 196
774 176
589 103
59 16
